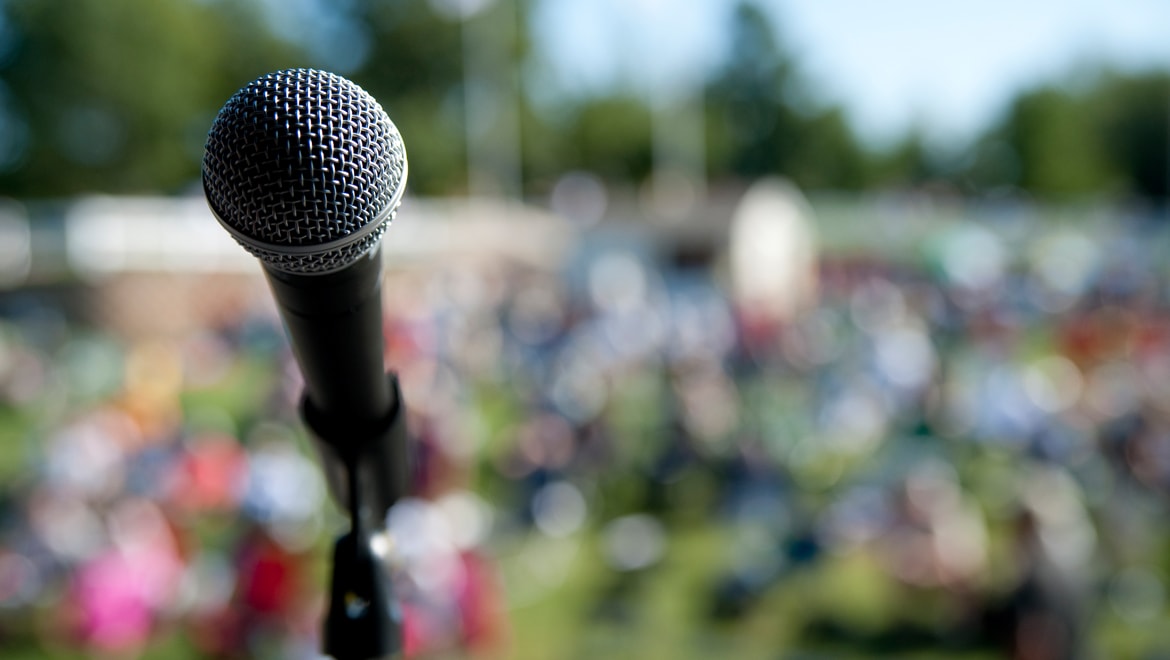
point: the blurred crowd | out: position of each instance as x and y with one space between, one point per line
982 428
132 512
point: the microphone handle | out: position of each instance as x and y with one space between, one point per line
334 323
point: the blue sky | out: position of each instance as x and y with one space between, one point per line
948 66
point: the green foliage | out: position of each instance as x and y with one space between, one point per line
116 96
753 129
1060 142
828 155
612 137
544 143
1052 136
415 51
908 163
1135 126
764 119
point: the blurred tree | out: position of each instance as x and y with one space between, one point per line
1110 135
908 163
612 138
752 127
1135 126
764 118
117 96
545 141
826 154
1059 154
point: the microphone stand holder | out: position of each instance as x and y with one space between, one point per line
367 468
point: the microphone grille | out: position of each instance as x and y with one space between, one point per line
304 169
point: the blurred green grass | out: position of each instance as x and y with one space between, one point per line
665 612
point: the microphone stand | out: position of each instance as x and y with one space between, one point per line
367 468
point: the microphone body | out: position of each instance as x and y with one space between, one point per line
334 324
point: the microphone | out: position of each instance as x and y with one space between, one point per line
306 171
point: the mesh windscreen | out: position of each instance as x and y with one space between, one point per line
305 169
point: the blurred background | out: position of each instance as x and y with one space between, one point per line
761 329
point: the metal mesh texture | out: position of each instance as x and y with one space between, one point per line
305 170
